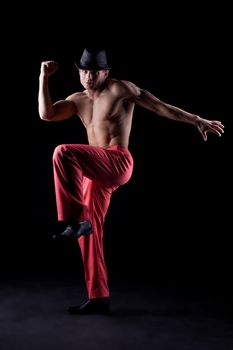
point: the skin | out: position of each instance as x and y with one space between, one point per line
106 107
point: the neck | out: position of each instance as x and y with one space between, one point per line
94 93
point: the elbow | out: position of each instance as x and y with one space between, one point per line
45 116
45 119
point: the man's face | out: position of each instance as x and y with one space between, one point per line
92 79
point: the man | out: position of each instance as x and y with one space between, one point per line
85 176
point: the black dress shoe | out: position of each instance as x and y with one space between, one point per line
91 306
83 228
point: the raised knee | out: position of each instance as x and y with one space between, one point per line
60 151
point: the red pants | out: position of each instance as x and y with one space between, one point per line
85 177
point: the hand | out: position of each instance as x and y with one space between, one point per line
215 126
48 68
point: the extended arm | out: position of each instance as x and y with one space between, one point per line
145 99
48 110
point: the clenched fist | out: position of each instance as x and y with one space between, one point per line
48 68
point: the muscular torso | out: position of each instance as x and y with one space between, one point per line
107 116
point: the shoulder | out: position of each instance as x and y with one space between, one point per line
123 87
75 99
76 96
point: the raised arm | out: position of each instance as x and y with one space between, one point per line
147 100
48 110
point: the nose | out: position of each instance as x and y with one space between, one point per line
91 75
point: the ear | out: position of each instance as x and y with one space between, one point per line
106 73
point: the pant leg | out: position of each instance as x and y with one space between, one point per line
85 177
97 199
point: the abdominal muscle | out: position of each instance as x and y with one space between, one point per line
107 135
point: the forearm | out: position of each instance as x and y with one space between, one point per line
177 114
45 105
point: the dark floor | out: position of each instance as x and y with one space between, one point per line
143 316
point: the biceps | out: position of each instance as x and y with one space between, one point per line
63 110
151 102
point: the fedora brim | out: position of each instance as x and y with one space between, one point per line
92 67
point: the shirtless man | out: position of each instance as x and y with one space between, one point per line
85 176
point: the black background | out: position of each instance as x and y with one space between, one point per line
172 222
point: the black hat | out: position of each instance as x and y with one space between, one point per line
93 59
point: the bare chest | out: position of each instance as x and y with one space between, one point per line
100 109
